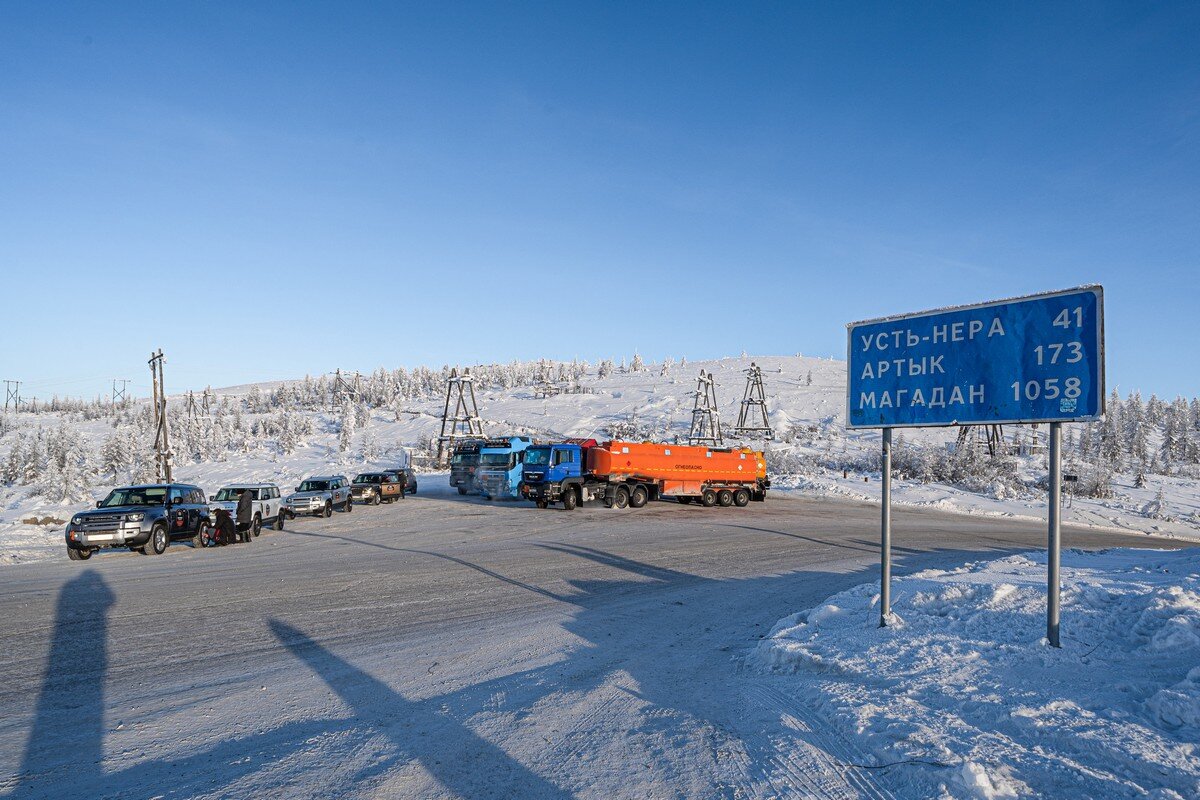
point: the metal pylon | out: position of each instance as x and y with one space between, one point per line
989 436
754 407
464 422
706 420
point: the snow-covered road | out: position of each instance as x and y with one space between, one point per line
441 647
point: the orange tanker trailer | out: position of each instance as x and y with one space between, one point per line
632 473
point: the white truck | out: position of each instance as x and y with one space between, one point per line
266 504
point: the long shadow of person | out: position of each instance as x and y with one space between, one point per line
66 741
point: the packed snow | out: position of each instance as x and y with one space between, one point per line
1137 466
963 695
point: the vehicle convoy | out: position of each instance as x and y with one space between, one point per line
319 495
266 504
463 464
377 487
499 471
143 518
630 474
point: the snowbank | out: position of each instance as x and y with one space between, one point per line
966 690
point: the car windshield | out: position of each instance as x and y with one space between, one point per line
368 477
314 486
497 459
537 456
465 458
136 496
233 493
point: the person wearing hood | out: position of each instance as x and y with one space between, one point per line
245 515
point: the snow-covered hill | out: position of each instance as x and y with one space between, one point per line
277 432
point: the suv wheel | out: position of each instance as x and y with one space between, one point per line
203 537
376 499
349 503
156 545
76 554
328 508
279 521
256 525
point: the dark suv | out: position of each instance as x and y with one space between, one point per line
142 518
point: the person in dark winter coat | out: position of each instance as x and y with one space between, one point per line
245 515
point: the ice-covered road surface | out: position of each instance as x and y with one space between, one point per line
443 647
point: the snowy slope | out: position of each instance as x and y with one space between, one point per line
967 699
811 450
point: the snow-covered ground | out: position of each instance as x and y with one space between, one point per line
805 395
966 698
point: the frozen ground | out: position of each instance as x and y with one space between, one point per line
658 403
965 696
439 647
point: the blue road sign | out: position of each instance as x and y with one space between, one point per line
1029 359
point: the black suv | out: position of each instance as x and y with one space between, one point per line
142 518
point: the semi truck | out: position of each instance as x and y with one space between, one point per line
499 472
463 464
624 474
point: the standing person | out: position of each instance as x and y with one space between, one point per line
245 514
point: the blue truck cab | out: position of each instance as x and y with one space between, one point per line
499 472
550 467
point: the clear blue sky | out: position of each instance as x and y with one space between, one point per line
265 190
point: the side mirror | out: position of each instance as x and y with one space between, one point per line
297 489
99 504
212 498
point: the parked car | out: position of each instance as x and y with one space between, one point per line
377 487
144 518
408 476
319 495
267 507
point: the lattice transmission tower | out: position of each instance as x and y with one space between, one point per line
752 419
464 422
706 420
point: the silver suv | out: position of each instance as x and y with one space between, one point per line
319 494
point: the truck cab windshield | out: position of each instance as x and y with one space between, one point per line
506 460
537 456
314 486
148 496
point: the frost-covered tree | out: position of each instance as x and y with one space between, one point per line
346 423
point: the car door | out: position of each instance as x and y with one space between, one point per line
177 510
198 511
270 503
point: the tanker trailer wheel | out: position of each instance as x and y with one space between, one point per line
708 499
741 498
725 498
569 499
638 497
621 497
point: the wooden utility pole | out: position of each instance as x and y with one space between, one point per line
12 395
162 443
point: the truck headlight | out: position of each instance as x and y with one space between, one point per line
138 517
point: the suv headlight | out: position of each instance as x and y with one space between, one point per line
138 517
77 521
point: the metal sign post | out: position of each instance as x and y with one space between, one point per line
885 533
1054 544
1021 361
